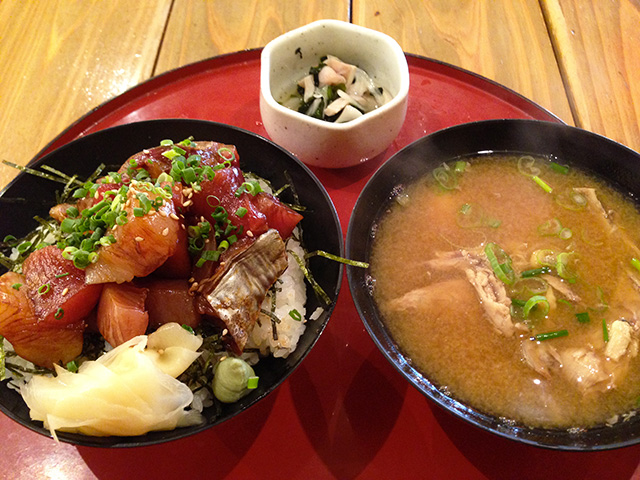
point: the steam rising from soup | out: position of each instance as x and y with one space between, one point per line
513 282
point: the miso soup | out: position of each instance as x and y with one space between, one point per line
513 282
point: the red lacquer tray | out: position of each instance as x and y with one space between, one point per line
345 412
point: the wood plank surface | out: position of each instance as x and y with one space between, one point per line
503 40
62 58
599 54
199 30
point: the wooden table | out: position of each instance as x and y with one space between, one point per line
60 59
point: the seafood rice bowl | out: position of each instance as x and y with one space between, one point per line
165 291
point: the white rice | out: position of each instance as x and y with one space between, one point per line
290 296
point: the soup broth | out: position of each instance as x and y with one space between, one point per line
510 281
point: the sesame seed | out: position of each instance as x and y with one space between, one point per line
183 227
192 280
174 216
139 239
225 332
146 151
163 213
187 203
249 234
65 291
165 232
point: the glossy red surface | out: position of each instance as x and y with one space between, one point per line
345 412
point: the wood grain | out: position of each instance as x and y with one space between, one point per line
503 40
62 58
599 54
199 30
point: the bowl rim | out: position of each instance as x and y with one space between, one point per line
562 439
265 75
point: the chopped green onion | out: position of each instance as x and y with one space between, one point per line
445 177
252 383
179 150
549 335
583 317
241 212
605 331
208 256
460 166
550 228
43 289
572 200
72 366
473 216
251 186
565 233
500 263
188 329
171 154
295 314
165 143
546 258
227 154
59 314
565 266
72 212
16 286
529 286
563 169
534 272
527 166
535 302
24 246
544 185
635 263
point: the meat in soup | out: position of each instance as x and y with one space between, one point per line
513 282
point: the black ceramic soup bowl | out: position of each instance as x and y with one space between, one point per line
29 195
592 153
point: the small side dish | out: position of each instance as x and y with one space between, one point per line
357 131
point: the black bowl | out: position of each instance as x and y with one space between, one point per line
594 153
29 195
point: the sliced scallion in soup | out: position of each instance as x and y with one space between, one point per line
516 287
